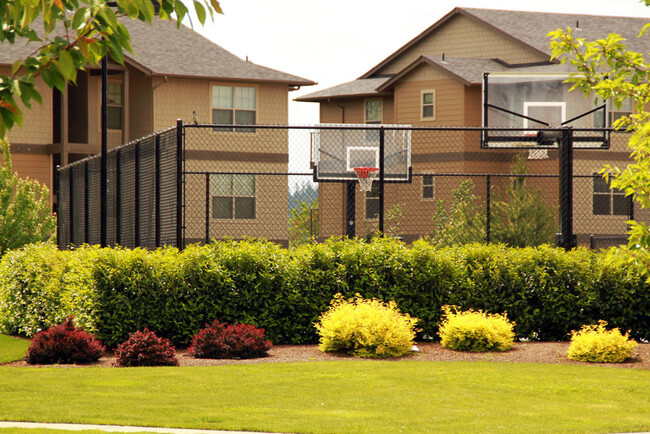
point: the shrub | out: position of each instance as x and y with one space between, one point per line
144 348
366 328
475 331
64 343
227 341
30 289
594 343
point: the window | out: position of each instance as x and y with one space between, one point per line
609 201
613 113
427 187
233 196
372 202
428 100
114 105
234 106
373 115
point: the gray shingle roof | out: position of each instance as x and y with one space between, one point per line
361 87
532 27
529 28
162 49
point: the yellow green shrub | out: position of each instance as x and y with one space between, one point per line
475 330
366 328
594 343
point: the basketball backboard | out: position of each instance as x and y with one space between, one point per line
338 148
520 110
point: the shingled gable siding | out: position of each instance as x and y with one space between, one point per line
37 123
464 37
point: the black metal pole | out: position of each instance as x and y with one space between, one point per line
488 211
59 220
207 208
118 197
567 239
179 184
157 192
87 206
136 197
381 181
103 208
350 209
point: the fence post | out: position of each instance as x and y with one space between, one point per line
179 184
157 192
566 238
86 206
350 209
137 194
118 197
59 226
71 205
488 205
381 181
207 208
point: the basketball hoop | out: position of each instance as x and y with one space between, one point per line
366 175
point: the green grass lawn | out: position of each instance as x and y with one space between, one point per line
347 396
12 349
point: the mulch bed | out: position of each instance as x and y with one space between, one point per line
522 352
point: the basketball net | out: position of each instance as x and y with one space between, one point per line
366 175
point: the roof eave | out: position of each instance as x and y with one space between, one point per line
325 98
301 82
420 61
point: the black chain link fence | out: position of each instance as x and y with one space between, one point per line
259 182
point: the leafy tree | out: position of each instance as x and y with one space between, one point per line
608 69
67 35
70 34
303 222
25 210
521 216
461 222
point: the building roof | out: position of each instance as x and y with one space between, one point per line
470 71
162 49
361 87
529 29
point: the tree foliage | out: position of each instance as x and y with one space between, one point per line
25 210
303 222
606 68
519 217
69 35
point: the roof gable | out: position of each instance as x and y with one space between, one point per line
527 30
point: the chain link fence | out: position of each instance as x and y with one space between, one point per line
259 182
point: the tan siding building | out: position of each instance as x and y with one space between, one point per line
436 80
174 75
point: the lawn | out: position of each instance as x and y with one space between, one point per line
341 396
12 348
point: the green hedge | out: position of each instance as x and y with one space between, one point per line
113 292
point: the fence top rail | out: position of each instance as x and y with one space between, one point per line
116 149
392 128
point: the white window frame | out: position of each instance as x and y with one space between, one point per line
610 194
121 105
243 128
433 104
368 195
234 198
432 185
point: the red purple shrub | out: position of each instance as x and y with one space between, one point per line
224 341
64 343
144 348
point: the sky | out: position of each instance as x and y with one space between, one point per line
339 40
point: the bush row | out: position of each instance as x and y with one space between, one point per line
114 292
